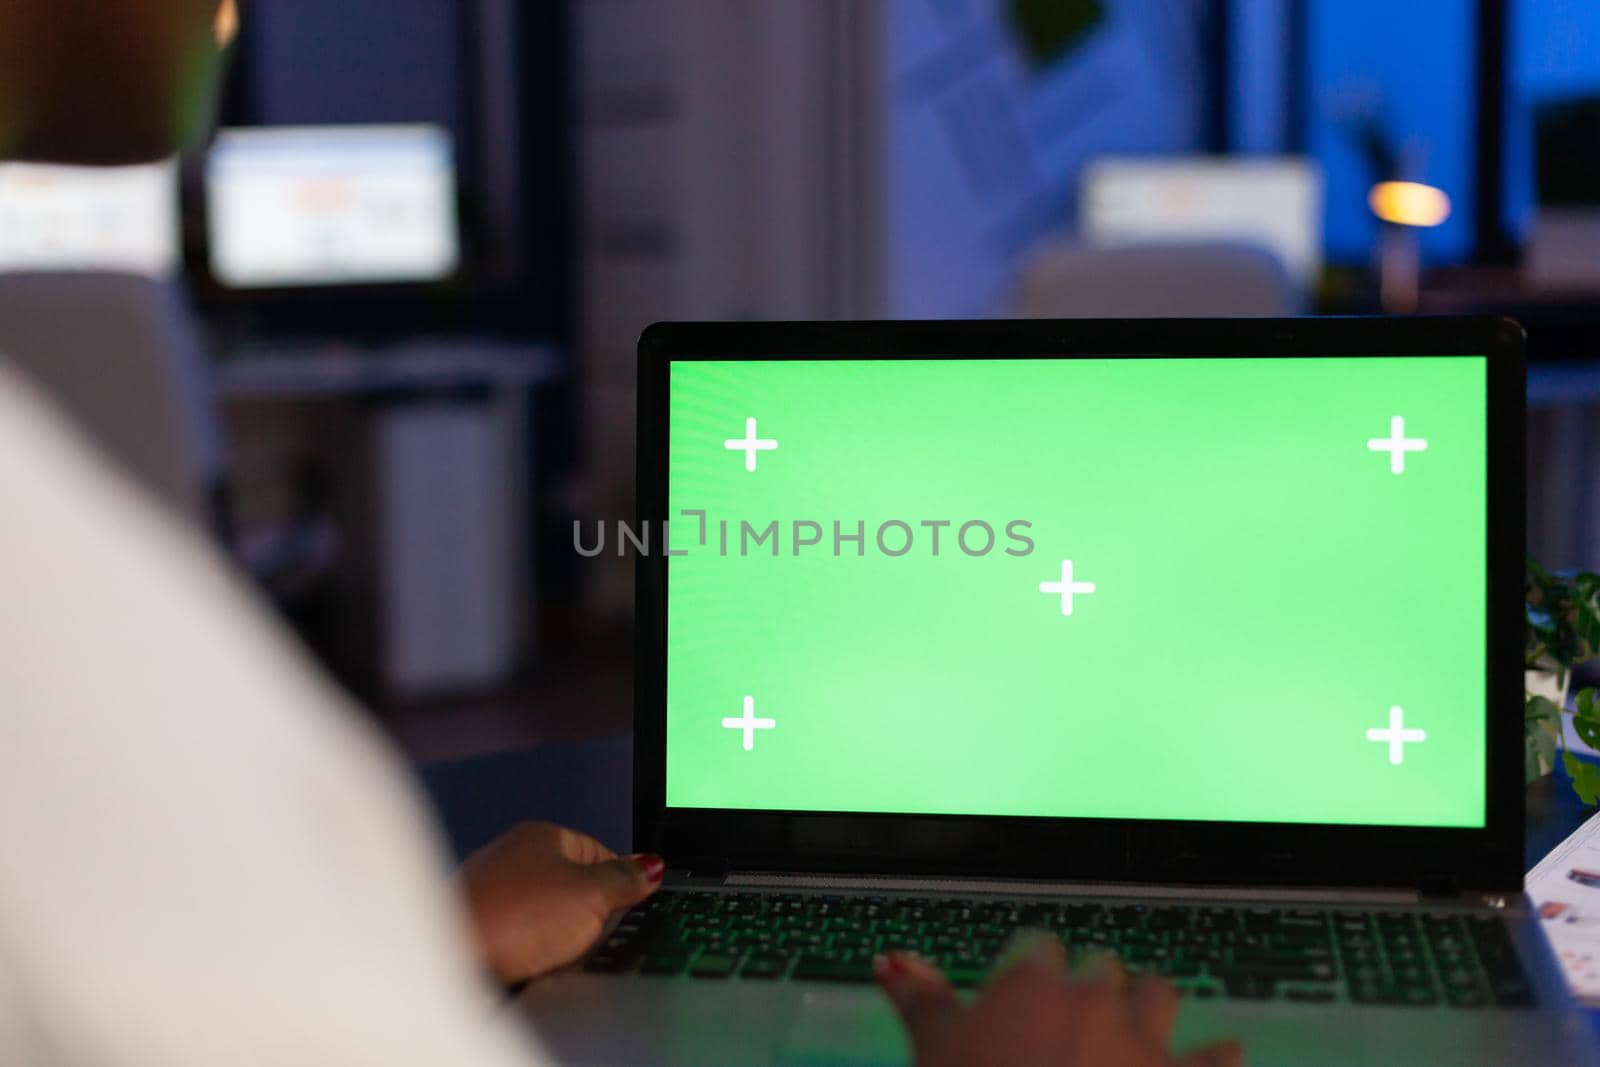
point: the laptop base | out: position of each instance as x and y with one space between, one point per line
712 1015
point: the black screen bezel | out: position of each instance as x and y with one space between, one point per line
1100 850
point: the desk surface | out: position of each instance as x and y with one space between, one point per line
588 785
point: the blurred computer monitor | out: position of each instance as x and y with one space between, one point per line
304 207
121 219
1276 203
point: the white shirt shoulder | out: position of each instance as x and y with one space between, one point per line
206 856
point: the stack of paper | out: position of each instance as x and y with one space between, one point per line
1565 889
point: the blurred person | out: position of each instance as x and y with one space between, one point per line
207 856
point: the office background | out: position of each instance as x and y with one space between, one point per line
406 281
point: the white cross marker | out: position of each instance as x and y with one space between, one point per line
1397 735
1397 444
1066 587
749 444
749 724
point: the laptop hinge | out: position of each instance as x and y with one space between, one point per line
708 866
1439 887
1296 894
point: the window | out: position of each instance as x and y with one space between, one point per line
1553 57
1386 80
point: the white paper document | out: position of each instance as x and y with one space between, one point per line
1565 889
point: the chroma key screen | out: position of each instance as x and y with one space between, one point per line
1220 589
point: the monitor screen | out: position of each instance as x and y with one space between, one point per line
1275 203
1246 590
335 205
122 219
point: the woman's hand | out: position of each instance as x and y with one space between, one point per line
1035 1014
540 895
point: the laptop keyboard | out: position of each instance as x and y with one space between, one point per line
1306 955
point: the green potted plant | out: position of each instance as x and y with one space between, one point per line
1563 630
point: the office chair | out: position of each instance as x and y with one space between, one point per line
120 354
1198 280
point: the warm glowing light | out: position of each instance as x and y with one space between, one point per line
1409 203
227 24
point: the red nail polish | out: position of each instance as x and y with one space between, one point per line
652 865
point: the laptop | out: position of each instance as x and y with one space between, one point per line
1194 641
1273 202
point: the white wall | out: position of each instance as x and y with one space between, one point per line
722 177
832 159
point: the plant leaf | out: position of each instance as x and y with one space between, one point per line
1541 729
1562 616
1540 710
1585 778
1537 575
1586 722
1545 744
1538 756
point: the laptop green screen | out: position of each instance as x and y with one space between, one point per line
1194 589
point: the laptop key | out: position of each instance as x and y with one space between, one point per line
1373 993
664 963
1418 995
1302 972
1270 957
713 965
1249 987
1410 974
764 966
818 968
1307 995
698 903
1392 994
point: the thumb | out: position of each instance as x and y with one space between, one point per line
624 882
